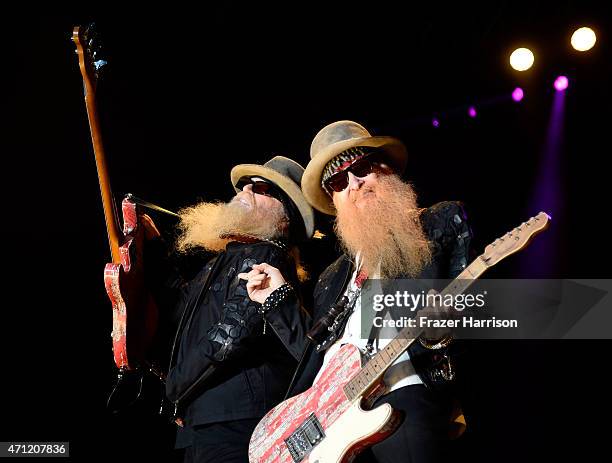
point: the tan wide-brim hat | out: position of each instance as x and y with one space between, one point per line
286 174
332 140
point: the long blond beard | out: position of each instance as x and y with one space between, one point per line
386 232
209 225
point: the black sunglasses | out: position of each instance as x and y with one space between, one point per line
340 181
260 187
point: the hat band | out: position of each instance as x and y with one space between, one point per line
344 160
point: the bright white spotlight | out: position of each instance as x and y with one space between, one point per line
583 39
521 59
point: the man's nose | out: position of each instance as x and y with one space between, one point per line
248 188
354 182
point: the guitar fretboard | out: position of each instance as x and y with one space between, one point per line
373 370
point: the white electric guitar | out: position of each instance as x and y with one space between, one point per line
326 423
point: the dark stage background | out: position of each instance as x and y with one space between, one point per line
187 95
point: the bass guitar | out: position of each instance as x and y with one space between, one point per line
135 314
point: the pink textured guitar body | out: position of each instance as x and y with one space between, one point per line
347 428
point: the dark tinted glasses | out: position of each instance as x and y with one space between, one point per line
340 181
260 187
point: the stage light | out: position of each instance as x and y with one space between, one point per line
583 39
435 122
517 94
521 59
561 83
472 111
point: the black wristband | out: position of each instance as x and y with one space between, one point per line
276 297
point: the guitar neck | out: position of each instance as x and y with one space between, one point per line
375 368
83 42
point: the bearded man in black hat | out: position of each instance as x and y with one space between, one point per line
384 234
232 358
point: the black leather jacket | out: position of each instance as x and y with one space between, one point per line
446 226
224 364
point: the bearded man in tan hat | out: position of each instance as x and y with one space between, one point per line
232 358
384 234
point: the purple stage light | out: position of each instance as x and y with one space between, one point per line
472 111
561 83
517 94
435 122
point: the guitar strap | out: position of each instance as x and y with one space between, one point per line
350 300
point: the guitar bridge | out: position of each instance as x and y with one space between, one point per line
305 438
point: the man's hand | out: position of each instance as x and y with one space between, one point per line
149 227
433 313
262 281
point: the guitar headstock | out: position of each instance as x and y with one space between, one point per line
515 240
89 50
